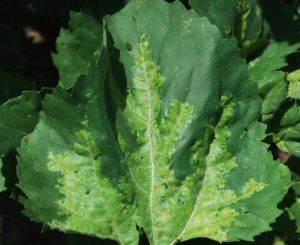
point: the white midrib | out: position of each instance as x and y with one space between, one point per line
151 152
188 221
151 146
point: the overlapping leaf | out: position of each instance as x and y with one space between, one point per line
92 194
18 117
288 136
294 209
2 180
282 19
77 47
294 84
277 91
265 70
235 18
183 159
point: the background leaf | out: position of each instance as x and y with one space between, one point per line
2 180
77 47
18 118
240 19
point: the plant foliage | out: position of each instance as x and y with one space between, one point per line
173 139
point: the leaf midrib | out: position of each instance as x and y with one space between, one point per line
151 148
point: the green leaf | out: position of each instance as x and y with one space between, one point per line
290 146
77 47
274 88
250 26
2 180
294 209
288 136
273 91
264 70
183 158
79 181
291 117
294 85
280 16
294 213
18 117
272 59
235 18
223 14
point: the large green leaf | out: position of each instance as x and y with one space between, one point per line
77 47
127 28
183 159
93 194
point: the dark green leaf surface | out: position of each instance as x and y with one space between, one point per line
183 159
223 14
2 188
280 15
235 18
294 212
288 136
92 193
273 91
18 117
294 209
250 26
291 117
77 47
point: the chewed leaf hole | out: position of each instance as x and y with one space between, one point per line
128 47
